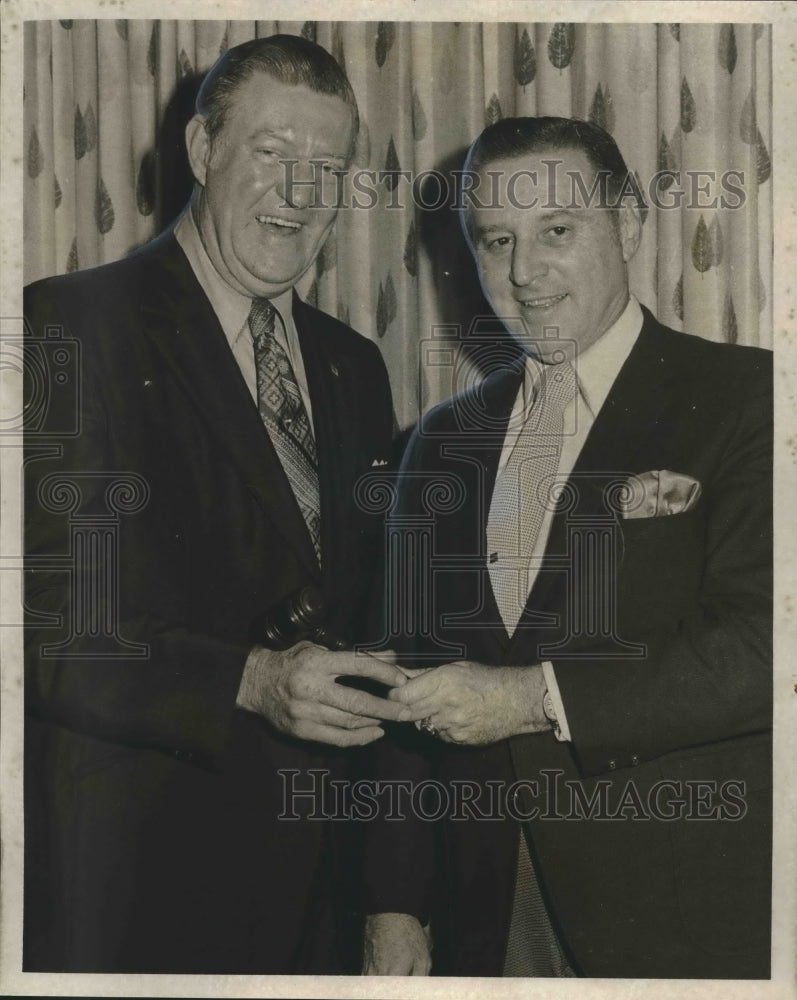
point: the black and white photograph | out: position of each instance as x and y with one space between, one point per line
397 439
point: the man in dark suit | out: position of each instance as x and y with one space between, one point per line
594 694
199 472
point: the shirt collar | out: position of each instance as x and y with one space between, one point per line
231 307
598 367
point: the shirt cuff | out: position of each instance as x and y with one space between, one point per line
558 705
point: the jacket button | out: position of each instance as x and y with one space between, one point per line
613 764
635 759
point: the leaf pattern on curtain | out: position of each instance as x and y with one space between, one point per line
103 208
729 325
35 156
493 113
419 122
385 35
747 123
145 185
688 108
81 137
601 112
763 162
525 64
387 306
716 240
153 52
678 298
410 257
561 45
184 67
677 97
727 48
392 166
72 263
666 162
702 249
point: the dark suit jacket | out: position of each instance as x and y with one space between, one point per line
153 837
645 893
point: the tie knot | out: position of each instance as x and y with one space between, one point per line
557 385
261 319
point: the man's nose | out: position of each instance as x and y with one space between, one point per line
298 183
528 263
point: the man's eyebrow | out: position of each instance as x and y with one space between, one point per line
570 213
264 134
270 133
480 230
546 216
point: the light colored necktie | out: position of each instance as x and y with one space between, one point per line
285 417
521 491
516 515
533 947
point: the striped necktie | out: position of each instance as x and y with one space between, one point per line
285 417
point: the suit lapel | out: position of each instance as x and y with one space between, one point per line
482 420
181 323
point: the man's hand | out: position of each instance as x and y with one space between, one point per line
395 944
476 705
295 691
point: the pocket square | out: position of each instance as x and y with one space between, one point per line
659 493
378 463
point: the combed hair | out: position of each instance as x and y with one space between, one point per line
512 137
291 59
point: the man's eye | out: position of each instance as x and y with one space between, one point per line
499 242
558 230
270 153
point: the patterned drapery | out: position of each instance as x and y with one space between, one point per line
105 103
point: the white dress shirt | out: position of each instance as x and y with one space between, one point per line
596 370
232 310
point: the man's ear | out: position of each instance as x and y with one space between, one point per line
630 225
197 144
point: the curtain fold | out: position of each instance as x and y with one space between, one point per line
105 103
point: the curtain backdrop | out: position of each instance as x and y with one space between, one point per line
106 101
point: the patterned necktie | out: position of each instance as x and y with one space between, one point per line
283 413
521 492
533 947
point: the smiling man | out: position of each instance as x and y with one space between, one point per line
222 426
599 728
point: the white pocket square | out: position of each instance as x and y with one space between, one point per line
659 493
378 463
